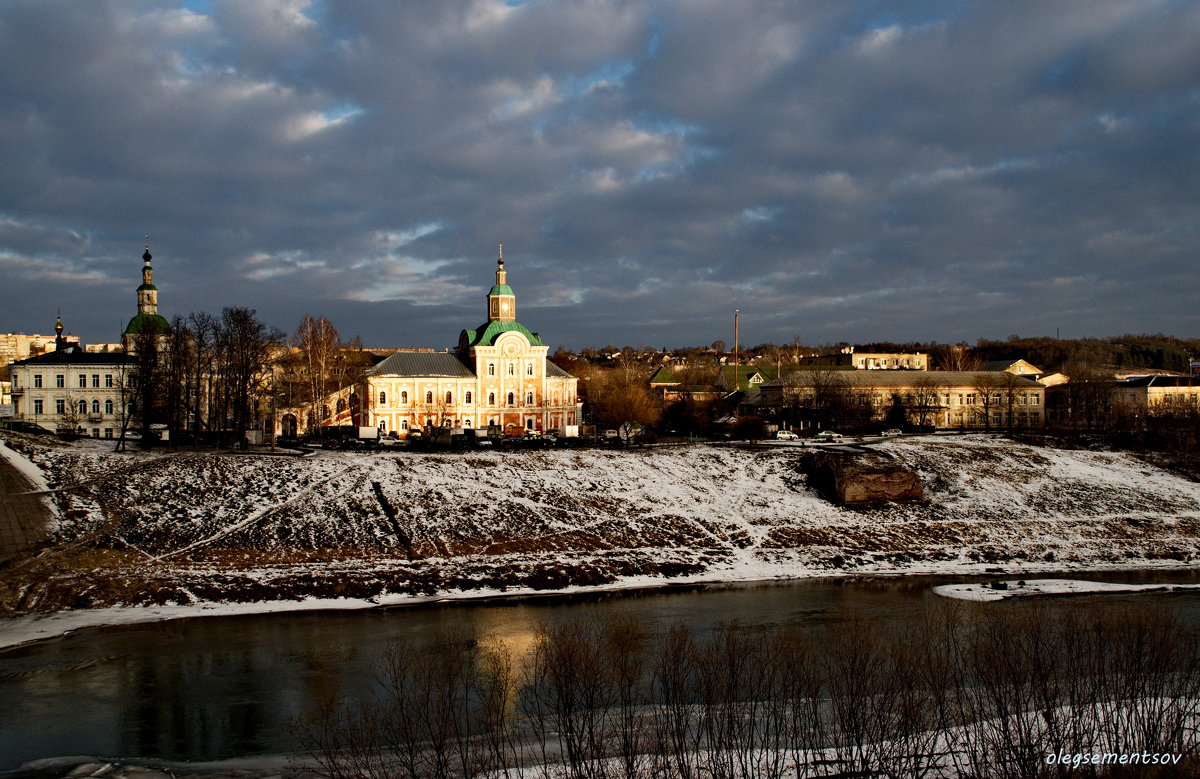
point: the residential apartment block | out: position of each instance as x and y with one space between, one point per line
945 399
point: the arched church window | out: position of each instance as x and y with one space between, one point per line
428 397
528 398
491 369
449 398
468 397
404 398
529 369
382 398
512 369
466 423
108 406
511 401
404 424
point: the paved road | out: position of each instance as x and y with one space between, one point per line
23 518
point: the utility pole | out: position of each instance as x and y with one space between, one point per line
736 313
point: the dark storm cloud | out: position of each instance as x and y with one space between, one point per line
926 170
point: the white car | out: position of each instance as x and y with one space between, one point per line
786 435
892 432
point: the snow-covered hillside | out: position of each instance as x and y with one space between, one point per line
194 527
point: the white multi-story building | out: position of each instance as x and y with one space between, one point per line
72 391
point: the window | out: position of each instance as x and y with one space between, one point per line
341 405
96 380
491 398
996 397
512 369
428 397
95 406
108 406
95 432
60 406
83 407
60 380
996 419
971 399
404 424
529 424
404 398
108 432
528 398
83 381
449 398
1035 400
466 423
37 406
37 380
511 400
1035 417
108 380
382 398
529 369
491 369
468 397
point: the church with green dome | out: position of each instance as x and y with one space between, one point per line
147 320
498 376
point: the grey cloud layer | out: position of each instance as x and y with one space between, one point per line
927 170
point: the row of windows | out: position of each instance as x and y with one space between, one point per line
965 399
467 398
451 423
1021 418
60 406
60 380
971 399
512 369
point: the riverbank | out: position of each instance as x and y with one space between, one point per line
155 537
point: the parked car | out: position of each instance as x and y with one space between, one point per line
786 435
891 432
828 435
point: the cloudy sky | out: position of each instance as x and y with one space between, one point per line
836 169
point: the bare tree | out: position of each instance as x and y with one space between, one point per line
318 341
924 399
619 398
986 386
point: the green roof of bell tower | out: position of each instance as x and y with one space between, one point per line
155 324
488 332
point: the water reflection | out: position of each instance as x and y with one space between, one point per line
213 688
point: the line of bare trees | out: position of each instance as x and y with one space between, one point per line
961 692
208 373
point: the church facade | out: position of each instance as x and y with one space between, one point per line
498 376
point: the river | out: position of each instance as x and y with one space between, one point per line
218 687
